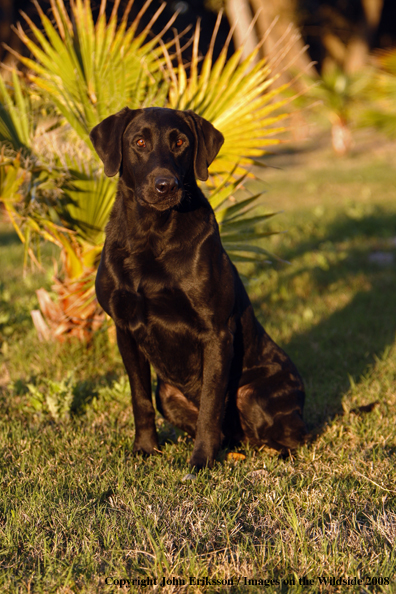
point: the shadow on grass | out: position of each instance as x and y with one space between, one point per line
380 225
343 345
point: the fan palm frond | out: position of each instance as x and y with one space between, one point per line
73 57
236 95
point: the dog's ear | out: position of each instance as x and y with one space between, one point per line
107 139
208 142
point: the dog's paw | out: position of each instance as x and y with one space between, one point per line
146 448
201 459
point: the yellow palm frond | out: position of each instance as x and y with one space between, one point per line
236 95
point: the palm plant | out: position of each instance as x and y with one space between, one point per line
71 61
340 94
27 187
382 94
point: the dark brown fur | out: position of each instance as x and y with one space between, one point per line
177 300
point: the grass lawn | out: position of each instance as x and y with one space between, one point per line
78 511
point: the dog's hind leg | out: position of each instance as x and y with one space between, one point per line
271 417
175 407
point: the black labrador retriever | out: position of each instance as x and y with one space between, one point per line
177 300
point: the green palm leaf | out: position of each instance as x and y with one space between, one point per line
17 122
86 205
239 230
73 57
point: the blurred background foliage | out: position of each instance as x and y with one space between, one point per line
239 63
335 30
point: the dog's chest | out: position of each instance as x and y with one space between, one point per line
167 328
168 306
162 298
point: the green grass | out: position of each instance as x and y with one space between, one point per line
76 506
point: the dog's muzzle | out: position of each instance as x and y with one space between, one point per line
161 192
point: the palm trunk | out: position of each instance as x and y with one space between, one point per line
240 18
277 20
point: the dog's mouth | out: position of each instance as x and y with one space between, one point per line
164 204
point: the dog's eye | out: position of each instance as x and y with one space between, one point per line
141 143
179 142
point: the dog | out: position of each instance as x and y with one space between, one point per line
177 300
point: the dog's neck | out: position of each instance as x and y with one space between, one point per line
159 230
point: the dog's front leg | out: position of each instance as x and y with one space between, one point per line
217 358
138 370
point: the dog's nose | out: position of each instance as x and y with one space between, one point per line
166 185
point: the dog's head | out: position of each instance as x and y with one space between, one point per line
157 151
